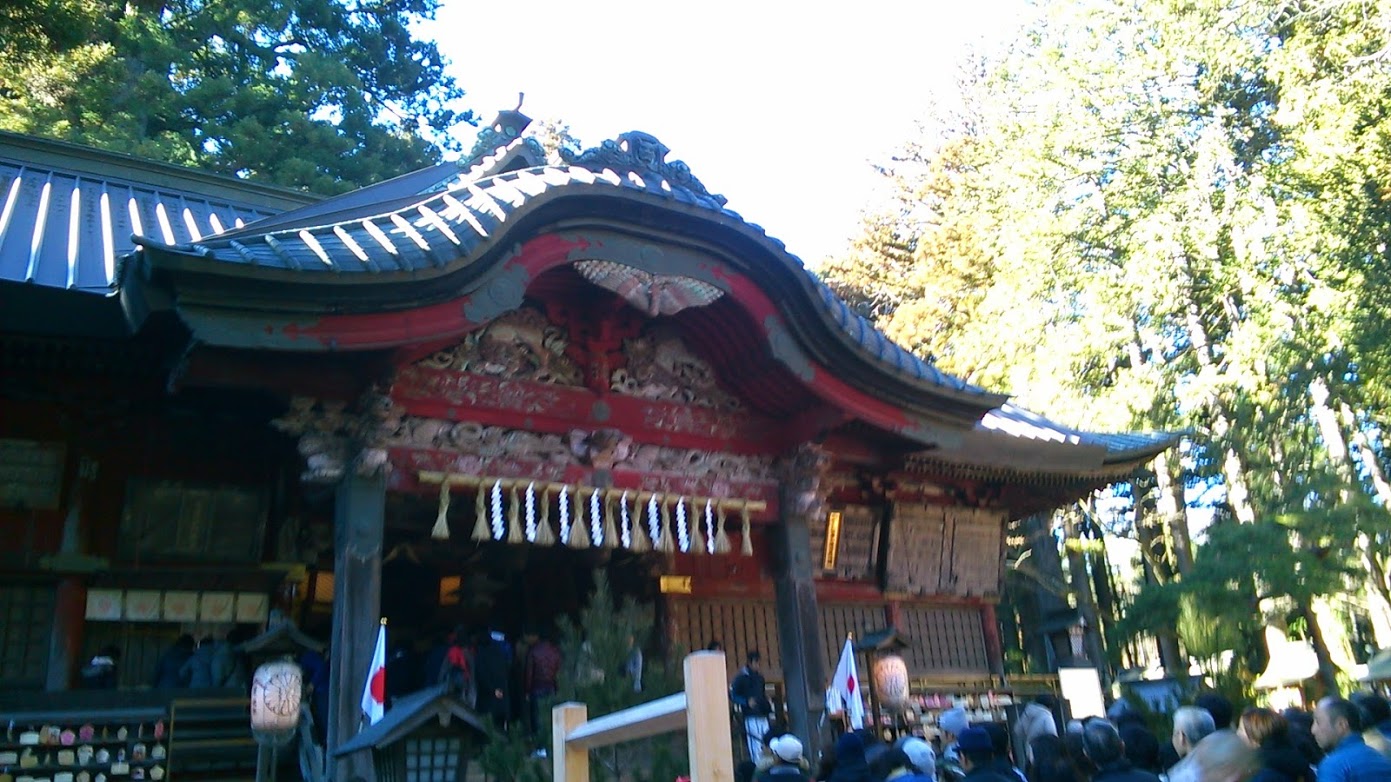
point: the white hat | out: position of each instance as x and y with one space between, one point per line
922 757
954 721
787 748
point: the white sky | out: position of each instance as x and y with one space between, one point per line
781 107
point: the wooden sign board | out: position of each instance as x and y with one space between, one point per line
858 542
917 547
976 551
31 474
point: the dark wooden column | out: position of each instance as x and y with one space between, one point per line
357 589
804 671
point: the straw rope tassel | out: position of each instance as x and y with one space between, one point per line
667 544
514 521
611 539
746 547
640 541
721 544
441 529
544 535
480 513
579 531
698 528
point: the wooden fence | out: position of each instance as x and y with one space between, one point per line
703 709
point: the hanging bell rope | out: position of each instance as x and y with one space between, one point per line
480 516
544 535
514 524
441 529
746 548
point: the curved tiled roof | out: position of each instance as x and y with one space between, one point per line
428 231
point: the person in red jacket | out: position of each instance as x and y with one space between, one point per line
539 675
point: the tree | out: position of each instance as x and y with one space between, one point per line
325 95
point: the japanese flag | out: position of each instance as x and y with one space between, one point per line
844 694
374 691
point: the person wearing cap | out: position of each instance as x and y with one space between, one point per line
922 760
788 763
748 691
977 752
951 723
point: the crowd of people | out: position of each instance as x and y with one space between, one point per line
1341 740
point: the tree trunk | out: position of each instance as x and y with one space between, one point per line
1321 409
1082 588
1233 470
1173 510
1328 674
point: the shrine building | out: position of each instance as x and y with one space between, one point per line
453 397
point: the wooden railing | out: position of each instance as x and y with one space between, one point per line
703 709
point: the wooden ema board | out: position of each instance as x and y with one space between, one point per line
937 550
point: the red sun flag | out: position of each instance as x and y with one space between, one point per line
374 689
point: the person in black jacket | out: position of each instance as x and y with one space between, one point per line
748 691
492 669
1269 734
978 760
1103 746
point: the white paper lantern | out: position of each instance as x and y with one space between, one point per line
276 690
891 680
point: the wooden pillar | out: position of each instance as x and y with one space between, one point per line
990 625
70 598
571 764
799 635
359 513
707 719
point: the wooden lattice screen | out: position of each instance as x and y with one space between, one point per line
945 640
740 625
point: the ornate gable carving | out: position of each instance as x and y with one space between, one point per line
521 345
652 294
660 367
642 154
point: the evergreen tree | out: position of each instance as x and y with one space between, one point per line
325 95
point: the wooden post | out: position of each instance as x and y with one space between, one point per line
568 764
794 590
360 509
707 719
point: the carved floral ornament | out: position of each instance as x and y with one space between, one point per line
520 345
661 367
518 510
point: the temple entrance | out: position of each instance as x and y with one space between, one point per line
431 588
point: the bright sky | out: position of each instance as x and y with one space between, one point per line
780 107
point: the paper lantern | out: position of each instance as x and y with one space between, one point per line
891 680
276 689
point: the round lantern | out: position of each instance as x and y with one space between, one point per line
891 680
276 689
